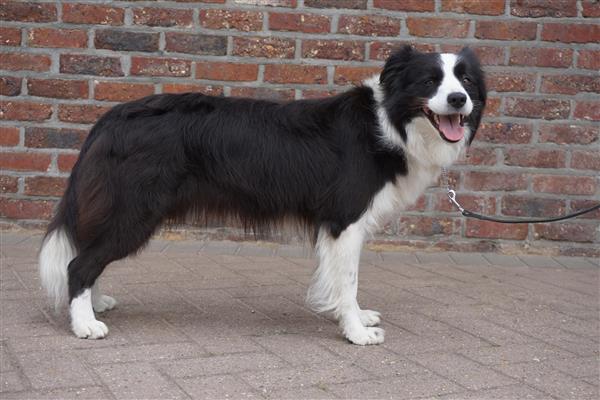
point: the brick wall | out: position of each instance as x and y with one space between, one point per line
64 63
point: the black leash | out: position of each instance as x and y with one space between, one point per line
471 214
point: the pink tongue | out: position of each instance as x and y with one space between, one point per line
450 127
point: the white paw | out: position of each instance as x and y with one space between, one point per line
103 303
366 336
369 317
90 329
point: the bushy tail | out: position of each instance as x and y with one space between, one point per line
55 255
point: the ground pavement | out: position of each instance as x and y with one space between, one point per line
228 320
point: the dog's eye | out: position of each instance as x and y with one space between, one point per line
466 80
429 82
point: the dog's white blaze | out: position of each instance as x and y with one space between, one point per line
450 84
83 321
55 255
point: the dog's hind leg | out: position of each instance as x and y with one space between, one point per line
101 302
335 284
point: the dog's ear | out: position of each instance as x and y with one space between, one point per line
397 61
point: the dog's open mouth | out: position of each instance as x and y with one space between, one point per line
450 127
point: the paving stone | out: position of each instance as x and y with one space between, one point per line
518 391
437 258
11 381
574 262
217 387
406 387
150 352
318 392
463 371
580 367
137 381
516 353
504 260
72 393
539 261
239 344
463 259
46 370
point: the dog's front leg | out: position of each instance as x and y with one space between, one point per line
335 284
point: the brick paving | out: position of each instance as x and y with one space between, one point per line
227 320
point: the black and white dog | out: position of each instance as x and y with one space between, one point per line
337 165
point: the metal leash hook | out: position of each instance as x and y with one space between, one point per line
452 197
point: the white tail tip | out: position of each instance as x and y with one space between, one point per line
55 255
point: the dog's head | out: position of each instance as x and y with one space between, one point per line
433 100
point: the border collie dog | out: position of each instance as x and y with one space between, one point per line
338 166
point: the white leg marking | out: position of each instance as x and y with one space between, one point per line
83 322
370 317
335 283
101 302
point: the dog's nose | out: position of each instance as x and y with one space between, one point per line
457 99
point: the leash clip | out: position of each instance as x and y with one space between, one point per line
452 197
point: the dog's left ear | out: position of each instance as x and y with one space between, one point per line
396 62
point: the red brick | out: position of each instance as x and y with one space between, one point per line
480 180
263 93
541 57
268 47
288 73
24 62
118 40
586 159
488 7
118 91
583 185
570 84
10 36
543 8
371 25
537 108
223 71
589 59
189 87
83 114
419 205
425 226
162 17
568 134
578 205
24 111
493 230
510 82
9 136
504 133
589 110
90 65
318 94
45 186
10 85
505 30
527 206
437 27
231 19
160 66
66 162
566 232
475 203
492 107
535 158
308 23
345 75
26 209
25 161
57 88
54 138
382 50
196 43
92 14
353 4
333 49
590 8
272 3
406 5
478 156
9 184
27 11
48 37
489 55
571 33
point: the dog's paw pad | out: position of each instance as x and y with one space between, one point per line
104 303
366 336
370 317
91 329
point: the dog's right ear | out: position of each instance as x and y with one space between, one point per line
396 62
